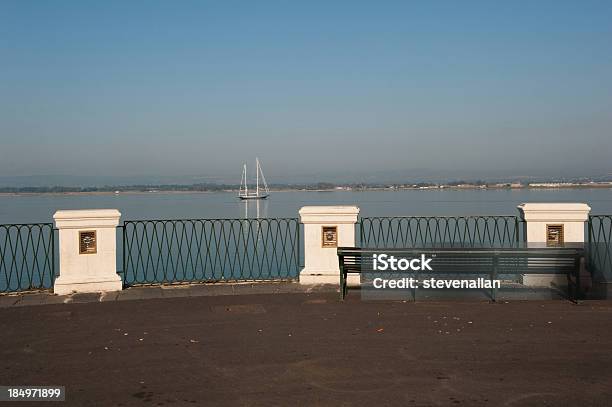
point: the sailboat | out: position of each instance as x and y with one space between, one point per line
260 193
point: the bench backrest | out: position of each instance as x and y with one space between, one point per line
557 260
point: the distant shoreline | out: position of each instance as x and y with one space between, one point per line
366 189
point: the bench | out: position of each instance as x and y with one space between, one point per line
492 262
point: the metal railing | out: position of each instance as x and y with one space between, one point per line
173 251
442 231
27 257
599 237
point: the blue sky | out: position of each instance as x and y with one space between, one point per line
195 87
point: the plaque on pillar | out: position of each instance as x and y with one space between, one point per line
329 236
87 242
554 235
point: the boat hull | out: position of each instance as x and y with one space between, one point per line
253 197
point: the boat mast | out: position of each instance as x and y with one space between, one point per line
240 189
246 184
263 178
257 176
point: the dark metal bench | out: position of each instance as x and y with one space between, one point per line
475 261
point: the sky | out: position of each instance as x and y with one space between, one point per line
141 88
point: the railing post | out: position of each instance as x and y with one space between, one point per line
543 222
325 229
87 251
590 244
123 255
53 269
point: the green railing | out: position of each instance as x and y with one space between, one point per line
27 259
599 231
193 250
441 231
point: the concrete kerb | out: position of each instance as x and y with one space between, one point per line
163 291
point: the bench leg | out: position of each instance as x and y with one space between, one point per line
576 294
342 282
578 285
571 287
493 279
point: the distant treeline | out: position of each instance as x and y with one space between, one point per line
149 188
319 186
211 187
120 188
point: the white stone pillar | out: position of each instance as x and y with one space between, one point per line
325 229
87 251
540 218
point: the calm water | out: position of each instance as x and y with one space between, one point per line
40 208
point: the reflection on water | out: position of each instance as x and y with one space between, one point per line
258 208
